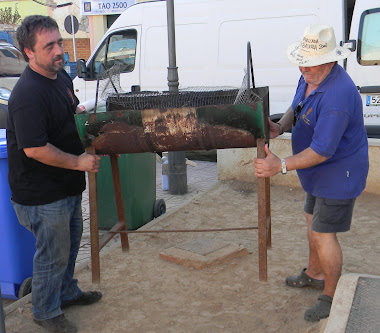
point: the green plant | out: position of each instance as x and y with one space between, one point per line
7 17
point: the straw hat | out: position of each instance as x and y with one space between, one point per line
318 46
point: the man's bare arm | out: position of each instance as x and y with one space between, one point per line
305 159
271 165
284 124
53 156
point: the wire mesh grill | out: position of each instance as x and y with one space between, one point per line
109 86
109 82
189 97
246 95
111 91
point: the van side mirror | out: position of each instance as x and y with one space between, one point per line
350 44
81 68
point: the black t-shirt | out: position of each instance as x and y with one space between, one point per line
41 111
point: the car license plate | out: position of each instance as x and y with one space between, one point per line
373 100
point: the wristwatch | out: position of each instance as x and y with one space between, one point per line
283 166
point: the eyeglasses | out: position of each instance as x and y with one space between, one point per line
297 113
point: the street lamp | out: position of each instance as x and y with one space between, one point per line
177 161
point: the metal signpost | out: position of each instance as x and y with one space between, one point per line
72 25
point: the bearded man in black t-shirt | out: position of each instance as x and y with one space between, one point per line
47 164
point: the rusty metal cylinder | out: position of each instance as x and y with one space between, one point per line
176 128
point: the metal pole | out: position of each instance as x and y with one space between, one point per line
2 317
177 163
172 69
73 31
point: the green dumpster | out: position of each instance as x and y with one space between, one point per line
138 184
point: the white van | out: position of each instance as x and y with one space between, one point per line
211 39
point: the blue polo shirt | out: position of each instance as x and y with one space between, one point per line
331 123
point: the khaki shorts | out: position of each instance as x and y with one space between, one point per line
329 215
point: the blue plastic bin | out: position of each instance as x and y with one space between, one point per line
17 244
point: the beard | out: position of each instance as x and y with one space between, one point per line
55 66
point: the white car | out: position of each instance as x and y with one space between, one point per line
12 64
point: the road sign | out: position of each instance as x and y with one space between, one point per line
69 24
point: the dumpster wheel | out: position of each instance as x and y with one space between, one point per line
25 288
159 208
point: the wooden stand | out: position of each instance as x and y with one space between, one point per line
96 243
264 217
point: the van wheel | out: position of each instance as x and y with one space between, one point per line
25 288
159 208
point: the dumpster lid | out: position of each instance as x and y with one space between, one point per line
3 143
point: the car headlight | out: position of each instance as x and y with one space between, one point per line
5 94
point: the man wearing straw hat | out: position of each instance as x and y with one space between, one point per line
330 154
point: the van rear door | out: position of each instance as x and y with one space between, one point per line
364 65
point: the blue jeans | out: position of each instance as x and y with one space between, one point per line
58 228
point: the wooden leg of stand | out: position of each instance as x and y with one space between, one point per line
95 262
119 201
262 221
268 213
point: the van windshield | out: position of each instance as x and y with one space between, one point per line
118 49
